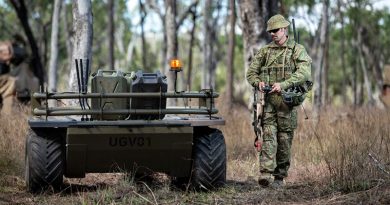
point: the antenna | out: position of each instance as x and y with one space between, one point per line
296 36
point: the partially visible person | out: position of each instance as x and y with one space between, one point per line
7 82
17 81
385 95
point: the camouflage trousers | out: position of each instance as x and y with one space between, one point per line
7 93
279 123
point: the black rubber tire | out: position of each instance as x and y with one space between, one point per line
44 163
209 165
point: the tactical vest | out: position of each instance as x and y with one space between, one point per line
279 65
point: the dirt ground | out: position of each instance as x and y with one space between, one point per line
120 189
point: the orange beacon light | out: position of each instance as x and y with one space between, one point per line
176 65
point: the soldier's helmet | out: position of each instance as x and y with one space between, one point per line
386 75
277 21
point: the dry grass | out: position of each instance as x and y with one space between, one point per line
352 145
13 129
341 159
345 151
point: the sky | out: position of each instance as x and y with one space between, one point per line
302 19
153 23
381 3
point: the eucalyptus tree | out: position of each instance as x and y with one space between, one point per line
230 55
52 77
194 16
254 15
111 32
208 45
320 62
82 44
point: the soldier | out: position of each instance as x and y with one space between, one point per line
282 64
7 82
16 79
385 97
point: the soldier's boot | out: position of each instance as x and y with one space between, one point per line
278 183
265 179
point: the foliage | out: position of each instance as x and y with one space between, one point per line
127 31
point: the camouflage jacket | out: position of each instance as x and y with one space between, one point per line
288 64
385 100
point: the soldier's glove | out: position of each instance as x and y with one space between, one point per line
258 145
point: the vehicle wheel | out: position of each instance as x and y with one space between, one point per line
209 165
44 163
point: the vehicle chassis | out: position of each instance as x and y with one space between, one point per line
61 143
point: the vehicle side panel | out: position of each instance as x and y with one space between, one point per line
110 149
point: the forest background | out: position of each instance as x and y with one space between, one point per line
347 40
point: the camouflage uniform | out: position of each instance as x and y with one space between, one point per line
289 65
16 78
7 82
385 97
7 93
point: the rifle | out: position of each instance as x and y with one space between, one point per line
258 114
296 34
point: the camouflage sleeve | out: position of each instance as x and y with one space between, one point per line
303 68
253 73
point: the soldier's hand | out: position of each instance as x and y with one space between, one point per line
261 86
276 88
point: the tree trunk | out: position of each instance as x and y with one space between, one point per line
210 43
325 68
153 5
21 12
342 49
230 55
111 32
192 42
45 44
367 82
372 53
207 44
130 51
355 80
52 80
82 45
320 60
170 22
68 36
143 14
360 93
253 25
